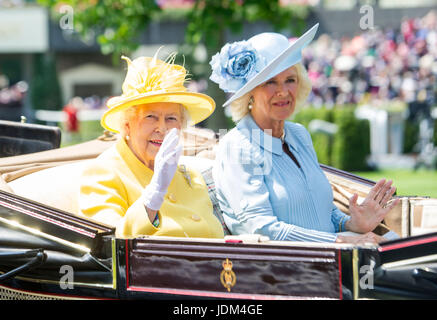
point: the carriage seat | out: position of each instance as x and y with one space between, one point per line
59 186
56 187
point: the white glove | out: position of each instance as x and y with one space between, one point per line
166 163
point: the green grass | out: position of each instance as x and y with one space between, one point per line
408 183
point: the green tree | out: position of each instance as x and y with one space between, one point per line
352 141
321 141
45 90
118 24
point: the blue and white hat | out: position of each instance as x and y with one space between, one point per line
241 66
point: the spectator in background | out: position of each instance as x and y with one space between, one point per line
72 123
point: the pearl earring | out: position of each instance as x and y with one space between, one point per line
251 101
127 137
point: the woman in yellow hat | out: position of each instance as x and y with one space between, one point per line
136 185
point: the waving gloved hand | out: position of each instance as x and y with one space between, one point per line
166 162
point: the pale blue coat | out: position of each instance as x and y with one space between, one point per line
261 190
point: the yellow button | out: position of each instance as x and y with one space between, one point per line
195 217
171 197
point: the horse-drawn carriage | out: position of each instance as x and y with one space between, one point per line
49 252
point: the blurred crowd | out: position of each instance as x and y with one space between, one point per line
11 96
376 65
12 3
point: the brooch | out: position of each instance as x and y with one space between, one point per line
185 173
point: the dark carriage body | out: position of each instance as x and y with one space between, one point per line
23 138
154 267
48 252
105 267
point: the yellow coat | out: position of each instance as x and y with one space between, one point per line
110 192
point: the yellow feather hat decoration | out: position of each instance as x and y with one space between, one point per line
150 80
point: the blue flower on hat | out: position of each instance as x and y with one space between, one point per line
235 64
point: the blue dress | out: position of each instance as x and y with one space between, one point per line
261 190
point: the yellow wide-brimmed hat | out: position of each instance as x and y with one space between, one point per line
150 80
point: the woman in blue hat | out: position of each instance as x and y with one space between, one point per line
267 175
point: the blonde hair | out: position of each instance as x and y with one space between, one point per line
240 107
132 112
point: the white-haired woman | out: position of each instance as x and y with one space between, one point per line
136 185
267 175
